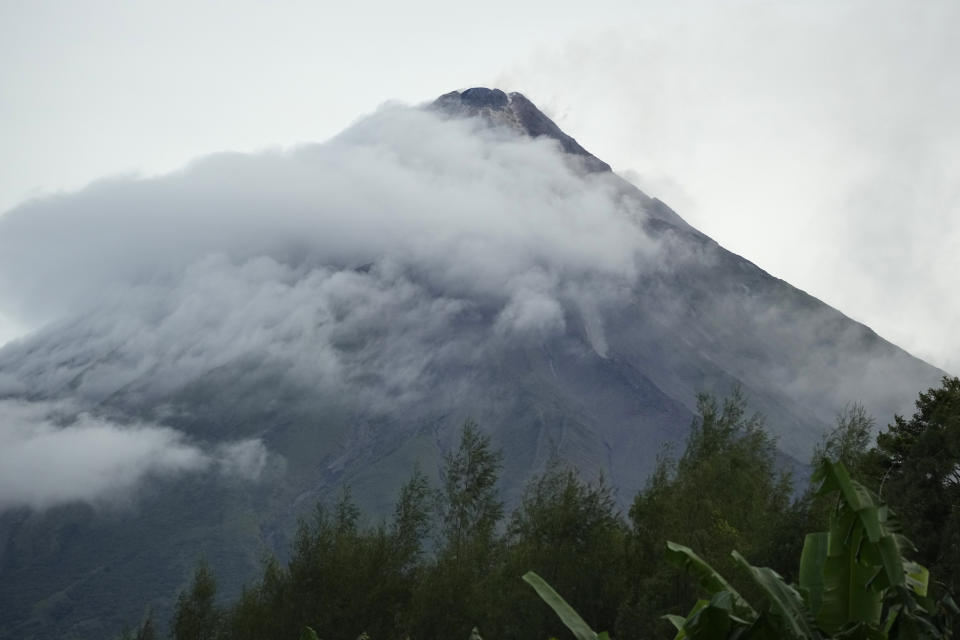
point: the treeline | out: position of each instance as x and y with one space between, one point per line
450 559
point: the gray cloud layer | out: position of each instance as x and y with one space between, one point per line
345 263
405 184
384 266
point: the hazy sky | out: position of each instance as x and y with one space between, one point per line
818 139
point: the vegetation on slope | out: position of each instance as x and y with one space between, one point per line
450 560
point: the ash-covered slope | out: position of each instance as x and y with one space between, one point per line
233 342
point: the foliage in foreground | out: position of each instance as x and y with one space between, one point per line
450 558
855 583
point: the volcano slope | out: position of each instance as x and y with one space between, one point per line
224 346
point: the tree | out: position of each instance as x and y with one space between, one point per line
454 595
569 531
196 617
849 440
916 468
343 580
469 505
411 526
724 492
411 518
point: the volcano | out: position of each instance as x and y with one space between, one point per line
229 344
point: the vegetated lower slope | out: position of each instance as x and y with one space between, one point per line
586 342
344 578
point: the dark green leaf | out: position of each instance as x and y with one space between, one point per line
707 576
580 629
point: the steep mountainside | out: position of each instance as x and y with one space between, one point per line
298 322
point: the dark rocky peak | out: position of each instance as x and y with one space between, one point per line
479 97
515 111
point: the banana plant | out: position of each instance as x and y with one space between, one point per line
855 576
567 614
854 583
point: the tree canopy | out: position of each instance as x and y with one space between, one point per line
449 561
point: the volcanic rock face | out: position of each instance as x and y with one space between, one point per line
515 111
254 332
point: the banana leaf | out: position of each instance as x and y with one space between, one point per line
679 621
308 634
845 583
813 558
786 604
580 629
708 577
713 620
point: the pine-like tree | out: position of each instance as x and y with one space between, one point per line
196 617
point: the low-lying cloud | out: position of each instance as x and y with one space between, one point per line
374 263
48 457
338 259
384 267
472 208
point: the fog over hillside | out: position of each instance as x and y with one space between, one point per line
345 261
224 347
372 266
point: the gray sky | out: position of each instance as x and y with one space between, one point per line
818 139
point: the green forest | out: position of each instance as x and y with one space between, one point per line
450 561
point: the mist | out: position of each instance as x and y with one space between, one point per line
386 268
50 457
344 263
474 208
816 139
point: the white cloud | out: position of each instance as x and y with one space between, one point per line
156 281
473 209
396 252
48 457
382 266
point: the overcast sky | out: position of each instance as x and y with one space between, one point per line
818 139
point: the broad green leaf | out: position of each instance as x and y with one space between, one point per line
715 620
892 560
675 620
842 528
580 629
707 576
847 596
870 518
891 618
308 634
788 606
917 577
679 621
709 623
812 561
864 557
824 478
834 476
